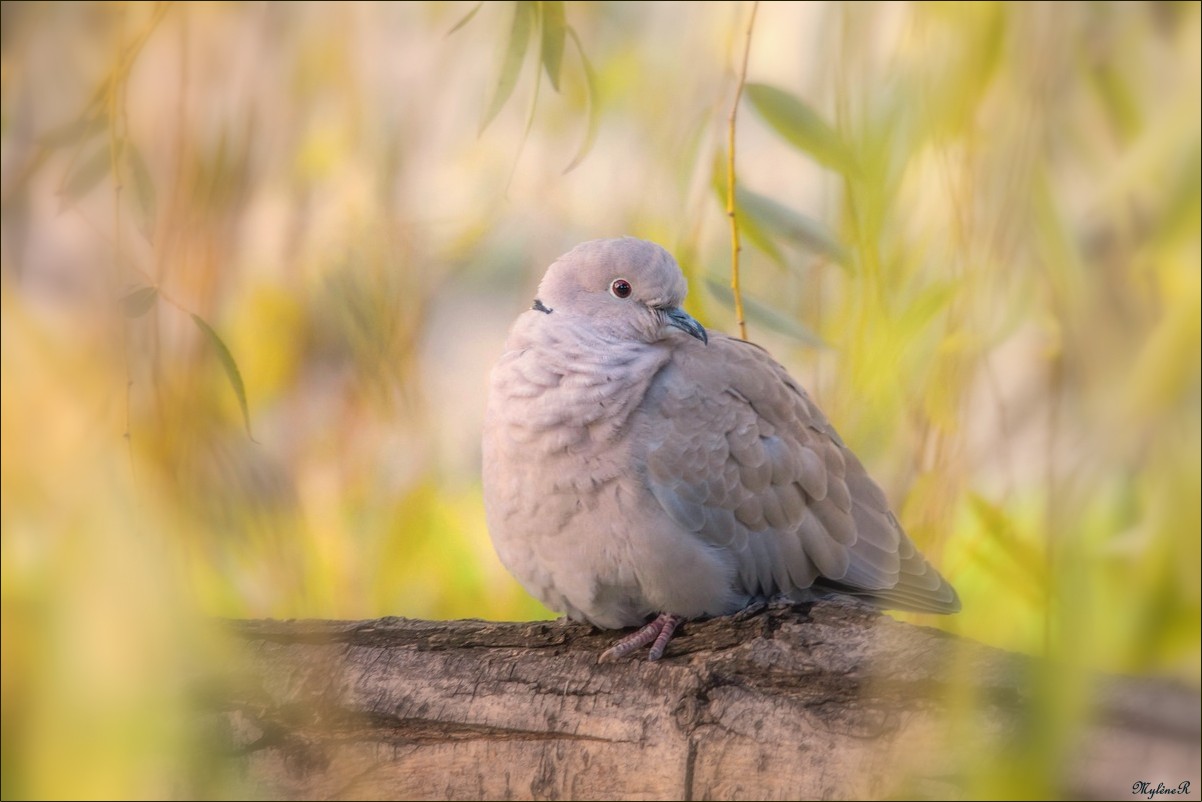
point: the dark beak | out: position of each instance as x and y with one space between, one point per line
684 321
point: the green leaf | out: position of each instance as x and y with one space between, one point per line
1004 533
138 300
144 193
788 224
554 32
467 18
515 53
765 315
801 127
86 174
231 369
594 104
748 226
529 118
925 305
76 131
765 221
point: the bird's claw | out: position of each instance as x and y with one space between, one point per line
657 633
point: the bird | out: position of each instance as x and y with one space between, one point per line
639 471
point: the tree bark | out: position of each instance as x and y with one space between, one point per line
816 701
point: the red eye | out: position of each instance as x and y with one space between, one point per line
620 288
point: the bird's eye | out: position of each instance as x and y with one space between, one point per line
620 288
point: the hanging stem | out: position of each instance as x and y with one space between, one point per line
114 110
735 245
112 94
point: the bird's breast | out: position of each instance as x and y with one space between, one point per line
558 430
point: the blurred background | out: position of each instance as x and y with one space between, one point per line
258 258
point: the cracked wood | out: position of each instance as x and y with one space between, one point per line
821 701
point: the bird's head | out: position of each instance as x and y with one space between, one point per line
624 288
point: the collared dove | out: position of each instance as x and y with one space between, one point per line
637 468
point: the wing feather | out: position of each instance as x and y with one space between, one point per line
737 453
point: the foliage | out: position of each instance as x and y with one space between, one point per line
973 233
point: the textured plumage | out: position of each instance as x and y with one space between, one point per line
632 468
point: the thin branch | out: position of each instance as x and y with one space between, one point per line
731 213
118 129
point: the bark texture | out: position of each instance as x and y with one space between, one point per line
825 701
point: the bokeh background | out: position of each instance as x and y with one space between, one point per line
258 258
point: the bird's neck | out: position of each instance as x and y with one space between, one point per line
575 377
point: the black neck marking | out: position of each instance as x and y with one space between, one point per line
538 306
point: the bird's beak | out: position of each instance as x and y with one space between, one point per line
684 321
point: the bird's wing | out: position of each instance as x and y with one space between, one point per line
737 453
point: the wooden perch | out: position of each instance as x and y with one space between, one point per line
820 701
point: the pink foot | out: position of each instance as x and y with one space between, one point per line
660 630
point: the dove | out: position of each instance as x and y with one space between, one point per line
639 471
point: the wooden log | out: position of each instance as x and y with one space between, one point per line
827 701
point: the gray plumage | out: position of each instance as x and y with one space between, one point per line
632 468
